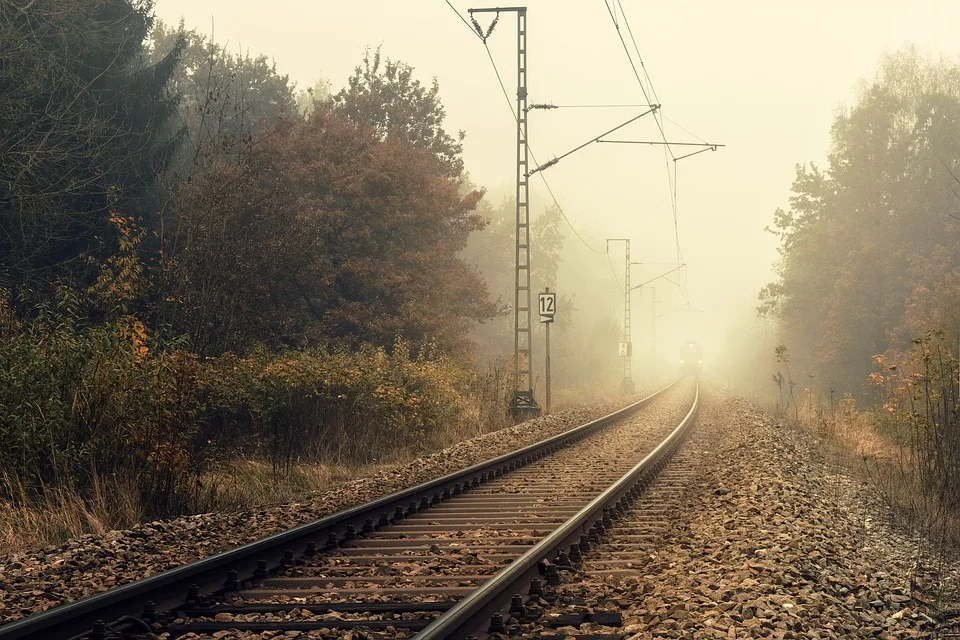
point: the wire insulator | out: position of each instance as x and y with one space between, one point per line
493 24
478 28
545 165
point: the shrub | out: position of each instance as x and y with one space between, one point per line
336 405
77 404
80 404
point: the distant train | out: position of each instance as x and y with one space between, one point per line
691 358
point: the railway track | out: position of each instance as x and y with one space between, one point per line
474 553
594 597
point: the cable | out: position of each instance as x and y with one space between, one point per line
557 159
677 124
614 272
560 209
668 152
673 186
556 203
633 66
653 90
464 20
636 73
598 106
500 80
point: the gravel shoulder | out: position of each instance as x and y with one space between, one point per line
32 582
769 541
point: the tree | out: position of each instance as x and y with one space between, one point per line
491 252
307 98
85 132
326 232
384 95
867 241
224 97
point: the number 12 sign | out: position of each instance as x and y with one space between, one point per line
548 306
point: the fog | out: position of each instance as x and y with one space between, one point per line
764 79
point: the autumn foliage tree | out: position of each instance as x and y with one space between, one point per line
325 231
870 245
224 97
197 262
342 225
383 94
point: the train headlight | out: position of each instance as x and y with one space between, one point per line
681 362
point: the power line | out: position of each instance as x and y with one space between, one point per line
598 106
710 146
673 195
464 20
560 209
668 151
556 203
633 66
653 89
557 159
614 272
680 126
674 181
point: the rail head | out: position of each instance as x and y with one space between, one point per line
167 590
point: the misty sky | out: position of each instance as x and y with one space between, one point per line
764 78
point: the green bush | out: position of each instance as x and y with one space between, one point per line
78 404
337 405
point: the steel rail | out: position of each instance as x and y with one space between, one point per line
471 616
167 591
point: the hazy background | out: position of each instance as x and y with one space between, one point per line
763 78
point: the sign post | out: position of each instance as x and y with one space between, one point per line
548 309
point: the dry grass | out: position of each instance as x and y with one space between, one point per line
851 432
861 441
53 514
245 484
62 513
49 517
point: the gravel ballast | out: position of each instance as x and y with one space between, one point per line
463 548
767 541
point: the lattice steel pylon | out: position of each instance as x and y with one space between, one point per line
523 400
626 385
523 404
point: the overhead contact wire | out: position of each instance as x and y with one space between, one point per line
671 175
672 182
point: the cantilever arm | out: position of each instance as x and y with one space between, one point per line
554 161
677 268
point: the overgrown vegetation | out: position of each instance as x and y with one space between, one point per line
868 291
206 275
904 445
919 415
79 405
